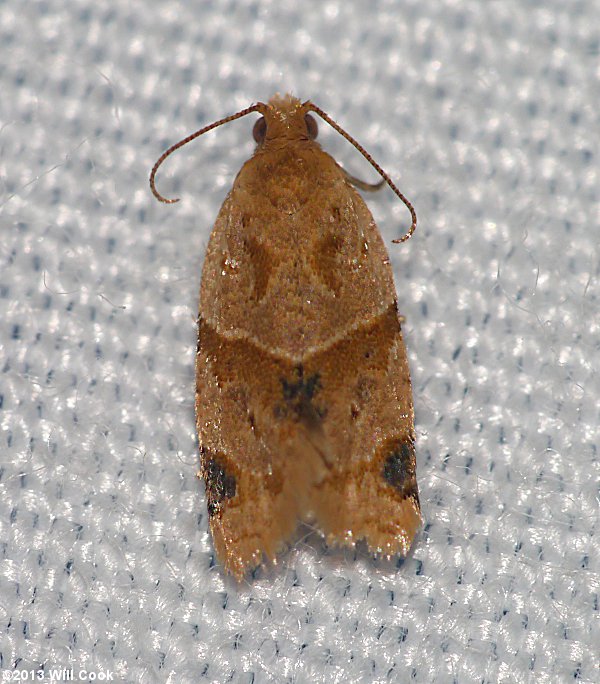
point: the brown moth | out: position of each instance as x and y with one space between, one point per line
303 395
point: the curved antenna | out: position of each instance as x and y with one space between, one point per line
189 138
374 164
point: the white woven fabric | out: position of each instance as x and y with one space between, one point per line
486 114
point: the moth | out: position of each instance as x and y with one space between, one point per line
303 394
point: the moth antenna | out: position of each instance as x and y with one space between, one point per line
255 108
374 164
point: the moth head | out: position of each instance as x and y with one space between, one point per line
284 119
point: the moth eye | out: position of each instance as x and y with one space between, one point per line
311 126
260 130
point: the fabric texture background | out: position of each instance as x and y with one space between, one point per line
486 115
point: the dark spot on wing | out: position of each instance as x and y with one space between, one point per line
399 468
220 484
301 388
298 394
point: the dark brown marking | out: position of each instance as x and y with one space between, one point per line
303 389
325 261
298 395
220 485
399 467
262 266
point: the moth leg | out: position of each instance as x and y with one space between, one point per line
361 184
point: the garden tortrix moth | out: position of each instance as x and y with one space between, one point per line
303 394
